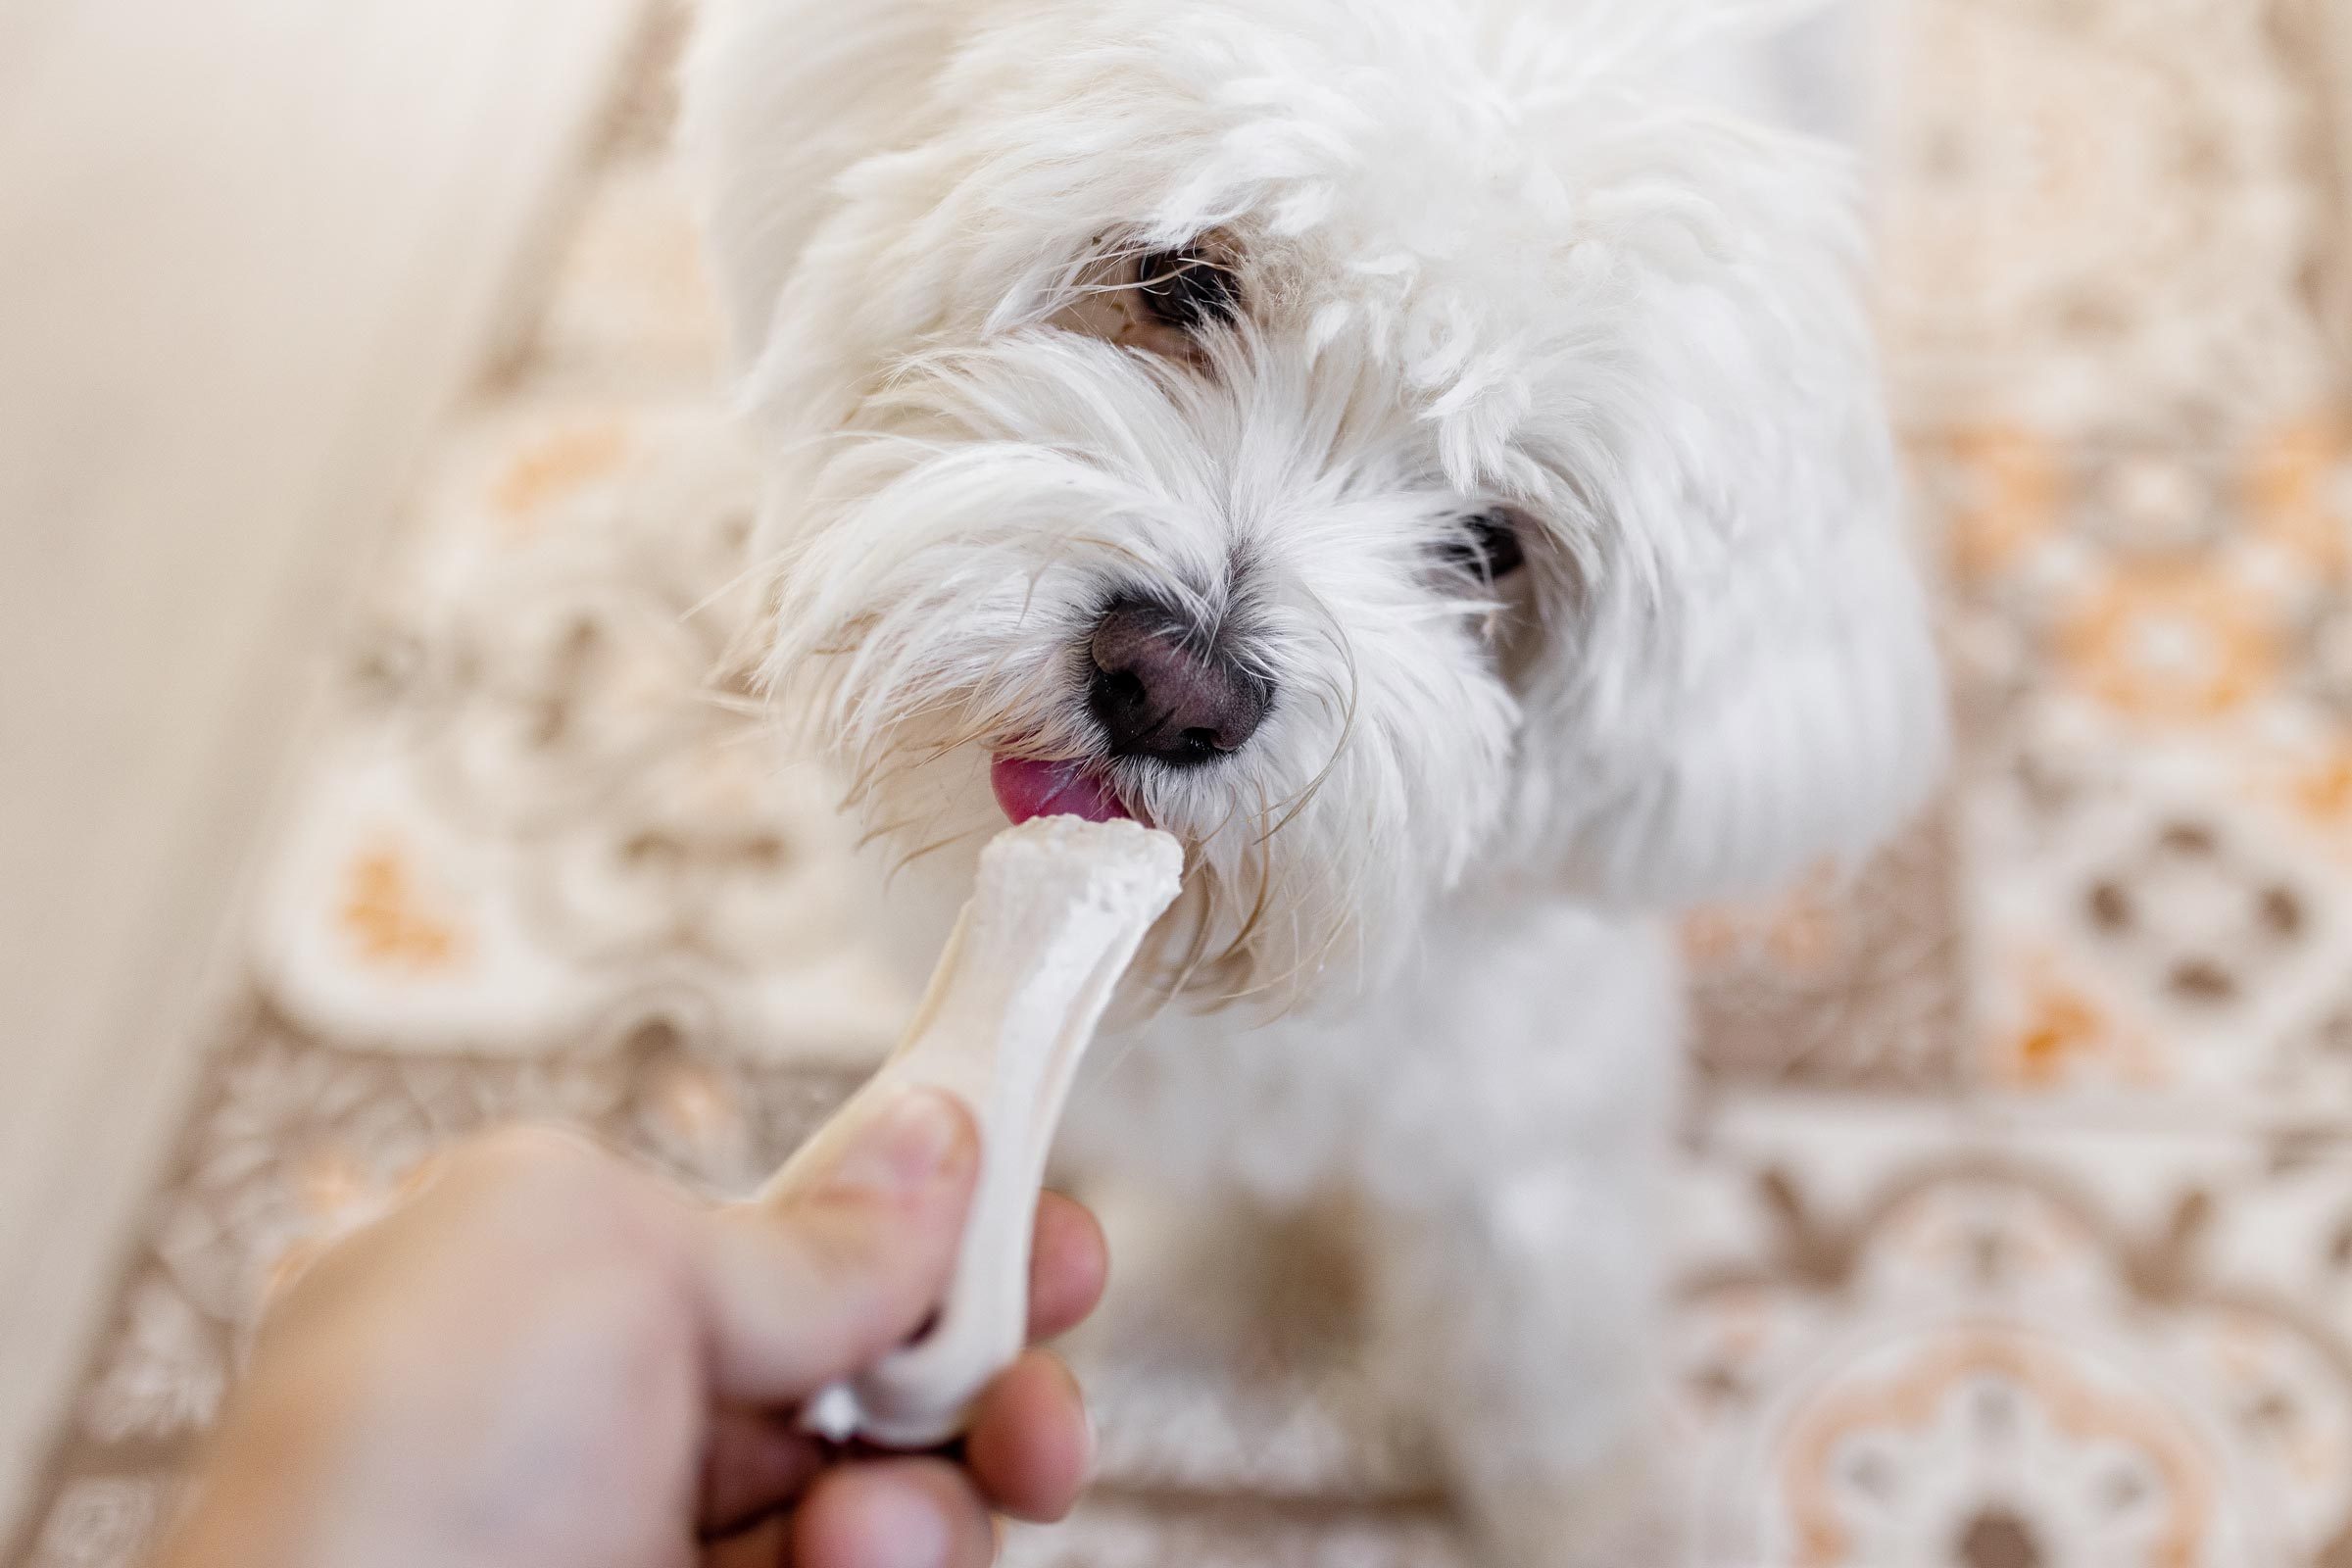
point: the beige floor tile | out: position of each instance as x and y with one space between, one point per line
1920 1337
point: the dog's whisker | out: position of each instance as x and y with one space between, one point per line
1259 900
936 847
733 703
1294 977
1305 796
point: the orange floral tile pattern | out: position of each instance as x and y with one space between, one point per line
562 465
385 922
2171 642
1936 1343
2299 495
2004 489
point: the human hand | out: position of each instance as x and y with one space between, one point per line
548 1359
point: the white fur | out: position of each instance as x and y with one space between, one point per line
1490 254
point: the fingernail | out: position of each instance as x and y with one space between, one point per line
907 1146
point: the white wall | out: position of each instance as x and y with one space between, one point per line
249 251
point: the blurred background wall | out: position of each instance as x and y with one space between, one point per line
371 773
250 250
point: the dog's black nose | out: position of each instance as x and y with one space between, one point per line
1160 690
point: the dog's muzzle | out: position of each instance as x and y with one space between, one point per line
1166 689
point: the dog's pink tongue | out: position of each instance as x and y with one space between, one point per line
1029 790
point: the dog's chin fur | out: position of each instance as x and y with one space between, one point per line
1485 258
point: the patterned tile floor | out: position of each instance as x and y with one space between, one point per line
2018 1225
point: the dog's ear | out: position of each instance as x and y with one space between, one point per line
1794 712
1748 679
781 99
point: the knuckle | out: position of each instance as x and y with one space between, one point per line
529 1150
571 1199
530 1168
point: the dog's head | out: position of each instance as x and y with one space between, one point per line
1388 444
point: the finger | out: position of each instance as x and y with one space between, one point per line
299 1260
830 1279
1068 1266
768 1544
752 1466
1031 1445
893 1513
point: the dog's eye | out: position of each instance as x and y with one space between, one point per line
1187 289
1486 546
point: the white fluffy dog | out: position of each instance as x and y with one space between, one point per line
1420 458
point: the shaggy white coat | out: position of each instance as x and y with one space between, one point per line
1490 254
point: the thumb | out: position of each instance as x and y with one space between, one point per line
846 1267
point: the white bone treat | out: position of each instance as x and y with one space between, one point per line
1061 907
